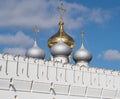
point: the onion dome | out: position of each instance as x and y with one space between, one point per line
61 35
60 49
82 54
35 52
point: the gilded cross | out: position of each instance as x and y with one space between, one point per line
61 10
36 30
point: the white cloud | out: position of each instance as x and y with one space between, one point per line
16 44
99 16
44 13
111 55
27 13
15 51
19 39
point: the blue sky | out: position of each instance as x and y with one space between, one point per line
99 19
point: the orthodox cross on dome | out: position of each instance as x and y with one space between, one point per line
61 10
36 30
82 33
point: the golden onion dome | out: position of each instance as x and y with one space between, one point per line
61 35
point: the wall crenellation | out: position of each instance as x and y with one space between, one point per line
41 70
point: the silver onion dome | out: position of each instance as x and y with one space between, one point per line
60 49
82 55
35 52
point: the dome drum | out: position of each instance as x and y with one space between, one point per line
62 59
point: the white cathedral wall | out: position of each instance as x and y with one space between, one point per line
39 78
25 95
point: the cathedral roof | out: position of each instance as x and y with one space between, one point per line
61 35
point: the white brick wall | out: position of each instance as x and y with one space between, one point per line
64 79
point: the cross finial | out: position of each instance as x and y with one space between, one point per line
36 30
82 33
61 10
